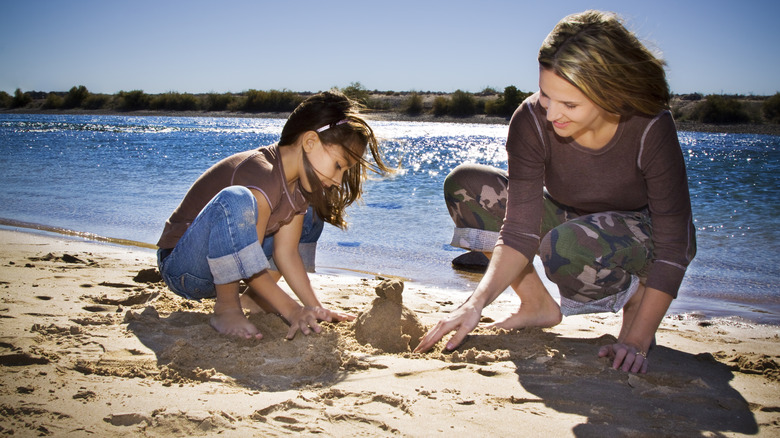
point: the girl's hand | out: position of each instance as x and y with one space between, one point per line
340 316
305 319
626 357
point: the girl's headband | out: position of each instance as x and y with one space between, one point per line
326 127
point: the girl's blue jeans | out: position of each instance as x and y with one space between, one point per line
221 246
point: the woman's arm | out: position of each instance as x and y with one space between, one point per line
506 265
674 241
649 315
630 351
526 158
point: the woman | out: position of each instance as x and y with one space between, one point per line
596 185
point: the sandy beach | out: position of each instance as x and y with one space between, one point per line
93 344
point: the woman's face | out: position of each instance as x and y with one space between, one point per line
571 112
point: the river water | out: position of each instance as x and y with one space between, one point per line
122 176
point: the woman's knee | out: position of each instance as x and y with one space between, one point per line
475 195
583 260
472 177
563 253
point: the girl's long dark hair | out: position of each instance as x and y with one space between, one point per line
345 128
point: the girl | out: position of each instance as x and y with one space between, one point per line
596 185
258 200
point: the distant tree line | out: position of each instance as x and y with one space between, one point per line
714 109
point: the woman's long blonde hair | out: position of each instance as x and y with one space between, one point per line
597 54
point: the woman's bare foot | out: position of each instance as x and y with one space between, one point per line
232 322
545 313
537 307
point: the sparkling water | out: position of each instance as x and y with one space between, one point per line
122 176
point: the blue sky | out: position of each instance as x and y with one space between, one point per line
231 46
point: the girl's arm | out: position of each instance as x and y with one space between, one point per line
263 284
303 318
290 264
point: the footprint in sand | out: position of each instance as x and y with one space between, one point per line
334 412
388 325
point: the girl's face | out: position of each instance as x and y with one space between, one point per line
329 162
571 112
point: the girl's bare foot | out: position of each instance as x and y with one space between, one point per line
232 322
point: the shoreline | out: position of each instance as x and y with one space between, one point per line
389 116
695 307
90 346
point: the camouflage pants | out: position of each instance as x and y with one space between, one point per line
596 260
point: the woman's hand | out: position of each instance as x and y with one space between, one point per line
464 319
305 319
637 336
628 358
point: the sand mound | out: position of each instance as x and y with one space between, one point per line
388 325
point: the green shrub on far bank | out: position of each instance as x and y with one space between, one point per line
75 97
134 100
269 101
357 92
217 102
771 109
5 100
413 105
97 101
20 100
441 106
53 101
174 102
462 104
507 103
718 109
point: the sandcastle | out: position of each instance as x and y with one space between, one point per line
388 325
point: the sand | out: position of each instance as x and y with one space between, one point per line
94 345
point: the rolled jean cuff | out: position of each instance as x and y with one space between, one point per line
474 239
243 264
612 303
308 252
